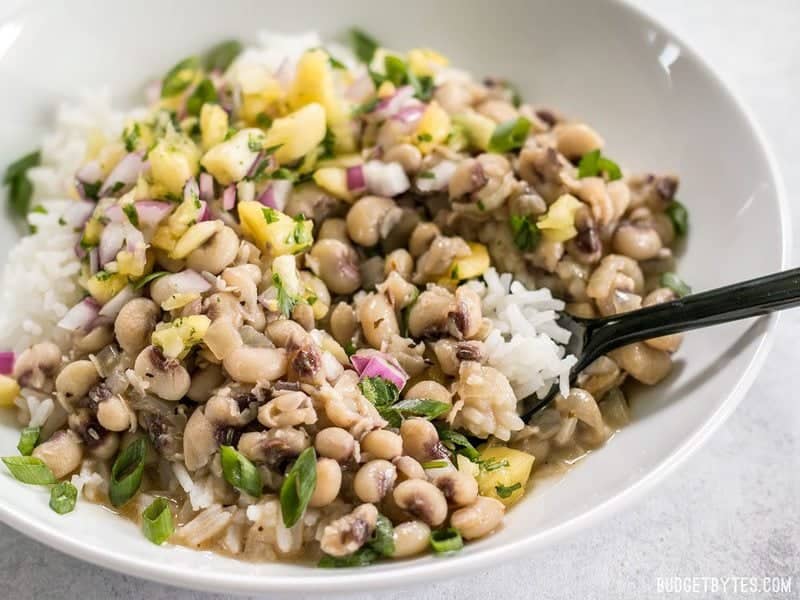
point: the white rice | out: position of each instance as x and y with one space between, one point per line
524 341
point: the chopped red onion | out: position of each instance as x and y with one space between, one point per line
112 307
81 316
186 282
205 213
229 197
355 178
6 363
94 261
440 178
191 190
410 114
91 172
385 179
125 173
389 107
361 89
371 363
277 194
206 187
80 251
259 157
111 241
152 212
77 213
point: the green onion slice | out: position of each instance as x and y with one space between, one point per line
126 474
180 77
298 487
360 558
29 469
157 523
510 135
28 439
63 497
679 216
446 540
240 472
676 284
593 163
222 55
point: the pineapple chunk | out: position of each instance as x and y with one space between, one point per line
176 301
197 235
9 390
314 83
433 128
275 231
468 267
130 264
334 181
213 125
298 133
110 155
261 92
504 473
229 161
92 232
386 89
424 61
186 215
103 286
177 338
173 161
558 224
479 129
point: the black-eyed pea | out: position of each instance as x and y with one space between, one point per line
114 414
329 481
76 379
166 377
216 253
335 443
252 365
336 263
135 324
421 440
642 362
479 519
399 261
459 488
573 140
348 533
423 500
640 241
421 238
374 480
410 538
343 323
432 390
333 229
408 155
408 468
382 443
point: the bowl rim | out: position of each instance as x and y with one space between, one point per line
343 581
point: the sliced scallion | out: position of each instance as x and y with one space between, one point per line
240 472
126 474
446 540
298 487
157 523
679 216
63 497
676 284
29 469
509 135
180 77
28 439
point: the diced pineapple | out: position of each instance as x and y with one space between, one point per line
109 155
433 128
179 300
468 267
186 215
344 140
478 129
558 224
386 89
342 160
229 161
298 133
261 92
334 181
424 61
504 473
197 235
103 286
275 231
92 232
213 125
130 265
173 161
9 390
177 338
314 83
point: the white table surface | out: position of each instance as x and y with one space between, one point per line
732 510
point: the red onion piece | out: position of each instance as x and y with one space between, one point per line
205 213
277 194
388 107
186 282
112 307
81 316
229 197
206 187
6 363
78 213
410 114
361 89
355 178
111 241
251 171
441 177
371 363
191 190
80 251
385 179
152 212
126 173
94 261
91 172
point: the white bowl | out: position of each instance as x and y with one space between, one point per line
658 106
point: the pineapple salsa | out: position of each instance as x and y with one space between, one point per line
316 289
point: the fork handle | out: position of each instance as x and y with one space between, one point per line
730 303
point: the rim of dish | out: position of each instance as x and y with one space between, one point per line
417 570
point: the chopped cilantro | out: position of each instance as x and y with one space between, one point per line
270 215
286 302
364 45
204 93
505 491
130 136
366 107
424 137
336 64
427 175
130 212
509 135
328 145
525 232
222 55
263 120
180 77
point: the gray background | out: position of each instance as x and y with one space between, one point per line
732 510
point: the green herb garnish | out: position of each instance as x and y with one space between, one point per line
424 137
28 439
126 474
92 190
204 93
286 302
157 523
679 216
364 45
493 464
379 391
29 469
362 557
382 540
420 407
263 120
20 187
336 64
270 215
435 464
676 284
130 212
63 497
457 442
366 107
446 540
143 281
525 232
240 472
328 145
505 491
130 136
298 487
180 77
509 135
222 55
299 236
427 175
593 163
380 544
